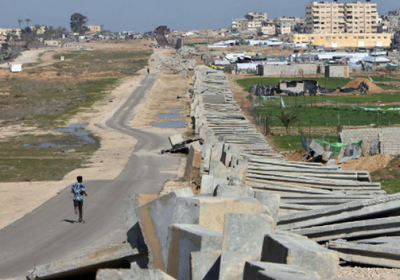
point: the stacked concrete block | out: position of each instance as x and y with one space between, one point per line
134 233
210 211
271 200
193 164
154 219
242 239
207 184
226 190
302 252
184 239
205 265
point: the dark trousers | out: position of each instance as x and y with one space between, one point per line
79 204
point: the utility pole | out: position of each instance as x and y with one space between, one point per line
207 42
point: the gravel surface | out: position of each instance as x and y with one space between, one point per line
367 273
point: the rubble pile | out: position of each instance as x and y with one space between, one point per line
257 215
179 62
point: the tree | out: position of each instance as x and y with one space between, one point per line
37 28
78 22
288 118
28 35
49 32
27 21
20 22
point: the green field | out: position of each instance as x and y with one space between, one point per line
389 176
293 142
330 117
26 163
324 82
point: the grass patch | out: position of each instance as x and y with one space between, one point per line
293 142
47 97
19 163
324 82
389 177
330 116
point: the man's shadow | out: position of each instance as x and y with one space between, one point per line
69 221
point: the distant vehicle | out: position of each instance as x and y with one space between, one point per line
15 68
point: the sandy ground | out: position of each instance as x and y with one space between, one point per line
18 199
369 273
370 164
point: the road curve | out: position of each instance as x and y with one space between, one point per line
49 233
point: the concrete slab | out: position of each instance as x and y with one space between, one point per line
154 219
225 190
175 139
132 274
302 252
252 268
273 275
271 200
113 256
205 265
317 148
210 211
352 211
134 233
381 255
207 184
242 241
350 230
184 239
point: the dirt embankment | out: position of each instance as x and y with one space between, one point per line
370 164
354 83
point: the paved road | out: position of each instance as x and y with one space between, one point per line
44 236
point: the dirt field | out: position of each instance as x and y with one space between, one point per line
18 199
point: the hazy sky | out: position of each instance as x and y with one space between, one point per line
146 15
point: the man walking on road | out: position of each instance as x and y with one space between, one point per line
78 189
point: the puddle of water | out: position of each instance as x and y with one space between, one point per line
172 115
83 137
170 124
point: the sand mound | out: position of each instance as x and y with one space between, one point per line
372 87
370 164
296 155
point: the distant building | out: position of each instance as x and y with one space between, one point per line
251 21
255 20
10 30
287 25
39 30
334 40
334 17
239 24
268 28
94 28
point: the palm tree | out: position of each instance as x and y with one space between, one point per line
19 22
27 21
288 118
